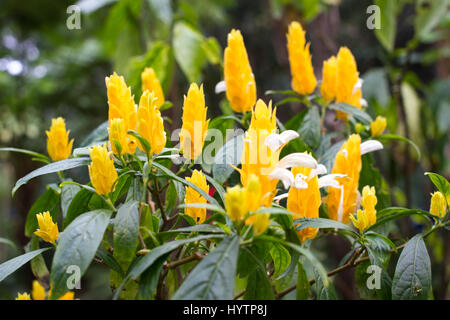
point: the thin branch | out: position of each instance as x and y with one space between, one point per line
174 264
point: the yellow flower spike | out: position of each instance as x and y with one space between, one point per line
23 296
151 83
58 145
348 162
239 80
257 158
193 196
305 202
377 127
368 202
360 222
102 172
347 77
48 230
38 291
253 193
121 106
193 131
438 206
150 123
303 79
260 222
236 203
118 135
328 86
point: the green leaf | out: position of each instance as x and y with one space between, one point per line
212 50
188 50
220 190
281 259
391 213
143 264
295 122
388 21
324 292
77 246
259 286
359 114
149 279
403 139
412 278
144 142
441 183
230 153
38 266
303 287
49 201
428 15
213 277
68 192
98 135
109 260
51 168
28 152
126 231
310 128
10 266
78 205
321 223
328 157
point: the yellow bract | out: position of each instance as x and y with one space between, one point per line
361 221
348 162
303 80
438 206
48 230
346 81
193 196
368 216
118 136
259 221
377 127
102 172
195 125
150 123
38 291
151 83
254 193
121 105
328 86
257 158
236 203
23 296
239 80
305 202
58 145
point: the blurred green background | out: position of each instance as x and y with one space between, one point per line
47 70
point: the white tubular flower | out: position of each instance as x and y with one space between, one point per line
358 85
299 181
220 87
370 146
284 175
363 102
341 204
281 196
297 160
275 141
330 180
321 169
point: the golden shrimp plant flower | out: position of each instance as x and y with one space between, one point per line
193 196
122 106
377 127
368 215
195 126
342 202
150 123
118 137
239 81
259 221
58 145
38 291
151 83
438 206
328 86
23 296
236 203
303 79
48 230
102 172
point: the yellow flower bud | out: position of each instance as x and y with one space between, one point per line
239 80
303 78
193 196
368 202
236 203
361 222
328 86
118 136
151 83
253 193
347 77
23 296
150 123
102 172
193 132
38 291
260 222
377 127
58 145
48 230
438 206
348 162
121 106
359 127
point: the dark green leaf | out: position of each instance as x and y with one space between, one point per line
78 205
258 286
310 128
281 259
8 267
359 114
440 182
386 32
99 134
303 287
126 231
68 192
